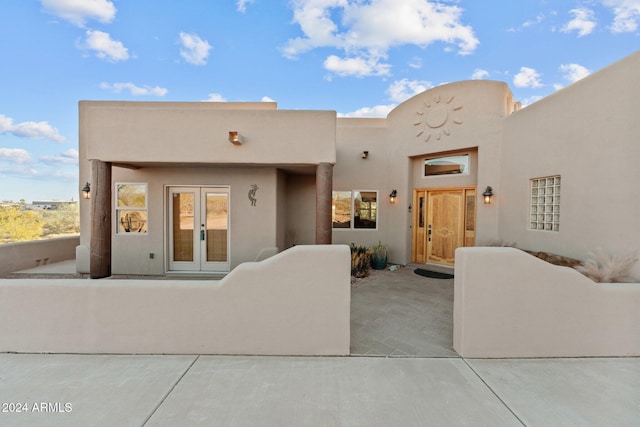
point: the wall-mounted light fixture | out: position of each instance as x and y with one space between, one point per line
488 195
365 154
86 191
234 137
393 197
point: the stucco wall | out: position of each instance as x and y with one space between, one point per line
183 144
198 132
294 303
23 255
508 303
300 228
587 133
473 113
375 173
252 228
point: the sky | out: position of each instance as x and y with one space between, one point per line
360 58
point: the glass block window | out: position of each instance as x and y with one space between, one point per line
545 204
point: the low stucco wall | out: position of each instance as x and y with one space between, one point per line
294 303
508 303
23 255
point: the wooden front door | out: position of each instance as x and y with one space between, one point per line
444 220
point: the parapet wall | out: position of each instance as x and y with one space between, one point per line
508 303
23 255
294 303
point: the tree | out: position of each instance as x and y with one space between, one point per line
17 225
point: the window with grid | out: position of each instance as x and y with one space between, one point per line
355 209
131 208
545 204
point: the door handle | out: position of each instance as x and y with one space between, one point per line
201 234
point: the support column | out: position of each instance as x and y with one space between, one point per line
324 189
100 246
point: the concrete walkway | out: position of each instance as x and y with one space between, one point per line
403 372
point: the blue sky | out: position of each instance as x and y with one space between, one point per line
357 57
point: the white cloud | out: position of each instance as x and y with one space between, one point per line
266 99
134 90
538 20
574 72
627 15
379 111
21 171
215 97
69 157
479 74
242 5
359 66
30 130
366 31
15 155
78 12
194 50
401 90
416 63
527 77
583 22
104 47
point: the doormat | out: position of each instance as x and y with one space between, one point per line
432 274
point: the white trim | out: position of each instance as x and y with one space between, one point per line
117 209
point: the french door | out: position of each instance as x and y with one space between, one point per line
444 220
198 228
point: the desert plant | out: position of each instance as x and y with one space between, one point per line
360 261
63 220
17 225
379 256
605 268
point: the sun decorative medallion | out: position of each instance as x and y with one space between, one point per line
435 119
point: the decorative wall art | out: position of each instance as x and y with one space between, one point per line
252 194
437 117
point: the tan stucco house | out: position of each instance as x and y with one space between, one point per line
203 187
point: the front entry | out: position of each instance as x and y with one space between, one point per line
198 228
444 219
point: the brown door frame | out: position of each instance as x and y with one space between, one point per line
419 252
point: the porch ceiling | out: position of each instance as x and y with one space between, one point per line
293 169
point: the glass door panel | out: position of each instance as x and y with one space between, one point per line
183 231
198 229
183 226
217 226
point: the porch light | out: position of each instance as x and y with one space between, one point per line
393 197
234 137
488 194
86 191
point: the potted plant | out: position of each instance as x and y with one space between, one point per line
379 256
